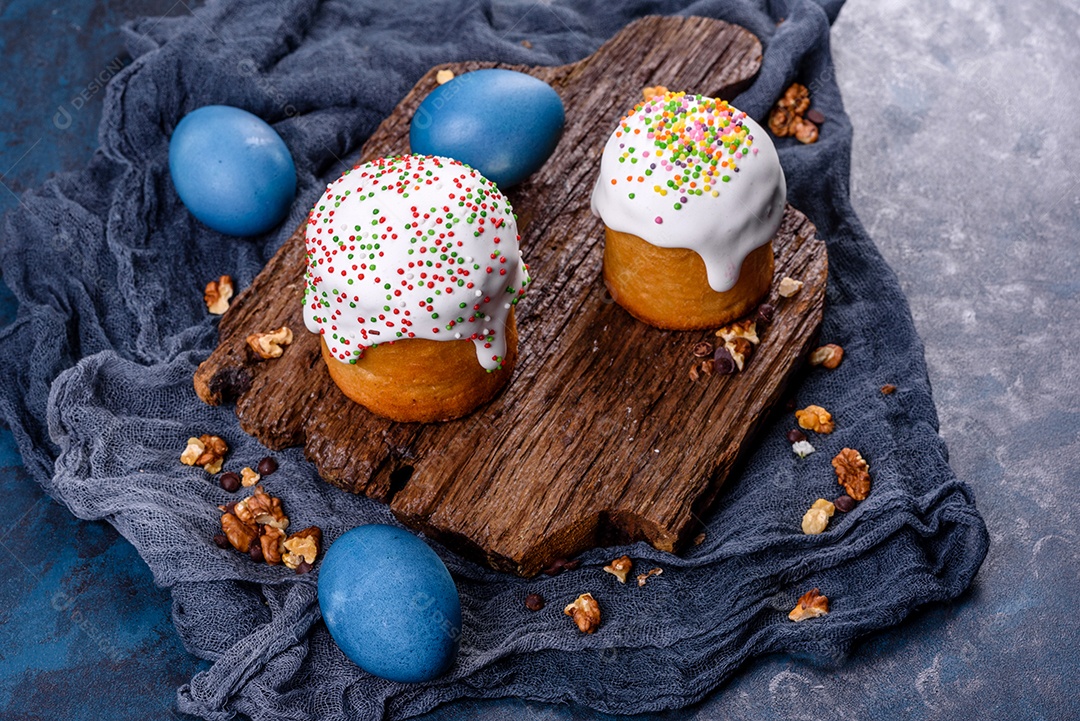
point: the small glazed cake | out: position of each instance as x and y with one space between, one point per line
413 272
691 193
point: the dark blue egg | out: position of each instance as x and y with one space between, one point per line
501 122
390 604
233 172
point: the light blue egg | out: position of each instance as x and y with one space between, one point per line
390 604
233 172
501 122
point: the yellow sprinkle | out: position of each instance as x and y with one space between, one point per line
715 194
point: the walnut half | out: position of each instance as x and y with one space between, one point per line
241 535
811 605
815 418
586 613
853 473
272 344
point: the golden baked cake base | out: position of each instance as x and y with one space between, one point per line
422 381
668 287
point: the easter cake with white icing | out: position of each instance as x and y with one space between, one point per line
413 272
691 193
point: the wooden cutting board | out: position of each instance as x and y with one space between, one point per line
601 436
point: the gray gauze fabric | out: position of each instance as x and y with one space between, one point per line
108 268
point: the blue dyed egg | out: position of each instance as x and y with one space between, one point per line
501 122
233 172
390 604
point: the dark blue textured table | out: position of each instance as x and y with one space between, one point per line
964 171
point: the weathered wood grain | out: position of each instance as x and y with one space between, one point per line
600 436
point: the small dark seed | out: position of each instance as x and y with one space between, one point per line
795 435
888 389
534 602
256 551
220 540
267 466
230 482
844 503
765 313
815 116
304 567
723 363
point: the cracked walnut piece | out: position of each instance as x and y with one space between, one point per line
241 535
853 473
815 418
270 541
811 605
827 356
206 451
302 547
272 344
586 613
248 477
217 294
796 99
789 287
263 509
805 132
643 578
817 518
620 568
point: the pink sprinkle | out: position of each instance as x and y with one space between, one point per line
755 151
659 220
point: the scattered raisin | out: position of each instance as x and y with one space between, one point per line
723 363
844 503
229 482
534 602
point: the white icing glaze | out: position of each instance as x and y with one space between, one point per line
721 221
412 247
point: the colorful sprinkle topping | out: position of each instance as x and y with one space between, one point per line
412 247
700 140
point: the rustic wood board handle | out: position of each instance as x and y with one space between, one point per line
601 436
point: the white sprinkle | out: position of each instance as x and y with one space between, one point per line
457 335
802 448
479 293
